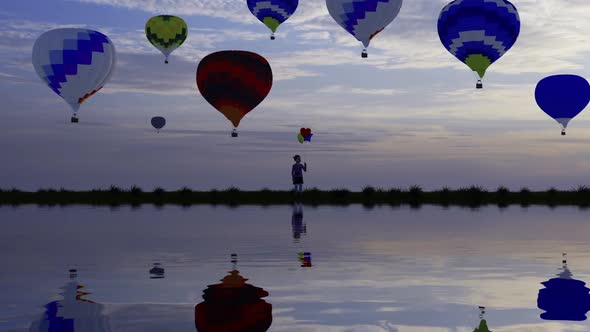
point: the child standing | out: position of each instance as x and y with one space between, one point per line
297 173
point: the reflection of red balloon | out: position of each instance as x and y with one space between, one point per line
234 82
305 132
233 306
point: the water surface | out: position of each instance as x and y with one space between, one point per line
324 269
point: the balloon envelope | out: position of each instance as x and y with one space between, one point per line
364 19
272 12
562 97
75 63
478 32
166 33
158 122
234 82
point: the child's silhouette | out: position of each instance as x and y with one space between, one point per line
297 173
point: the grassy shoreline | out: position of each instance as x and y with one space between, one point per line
414 196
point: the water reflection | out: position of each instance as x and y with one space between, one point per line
297 225
73 312
233 306
564 298
157 271
483 324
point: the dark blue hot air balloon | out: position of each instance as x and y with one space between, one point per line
563 97
158 122
272 12
478 32
564 298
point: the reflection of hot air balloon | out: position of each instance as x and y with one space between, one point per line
234 82
233 306
166 33
157 271
562 97
564 298
272 12
478 32
75 63
72 313
364 19
483 324
304 135
158 122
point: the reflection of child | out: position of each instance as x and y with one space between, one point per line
297 173
297 224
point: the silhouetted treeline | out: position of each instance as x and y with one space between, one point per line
473 196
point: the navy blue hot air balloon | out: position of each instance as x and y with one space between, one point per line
158 122
272 12
478 32
564 298
562 97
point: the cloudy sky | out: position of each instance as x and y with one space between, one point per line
409 114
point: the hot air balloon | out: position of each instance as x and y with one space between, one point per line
304 135
233 306
562 97
158 122
75 63
478 32
234 82
166 33
364 19
564 298
272 12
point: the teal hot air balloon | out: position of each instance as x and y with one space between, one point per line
74 63
562 97
478 32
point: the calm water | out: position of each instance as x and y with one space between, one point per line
384 269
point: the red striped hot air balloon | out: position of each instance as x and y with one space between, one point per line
234 82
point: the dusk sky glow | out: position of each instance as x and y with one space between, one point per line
408 114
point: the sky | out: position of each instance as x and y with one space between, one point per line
409 114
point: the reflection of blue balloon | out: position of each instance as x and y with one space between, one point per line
564 299
158 122
308 138
563 97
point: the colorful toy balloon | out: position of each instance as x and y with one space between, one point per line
272 12
75 63
304 135
234 82
562 97
166 33
364 19
158 122
478 32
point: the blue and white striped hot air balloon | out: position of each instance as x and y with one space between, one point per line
364 18
478 32
272 12
75 63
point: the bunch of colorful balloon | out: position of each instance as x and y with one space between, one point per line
304 135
